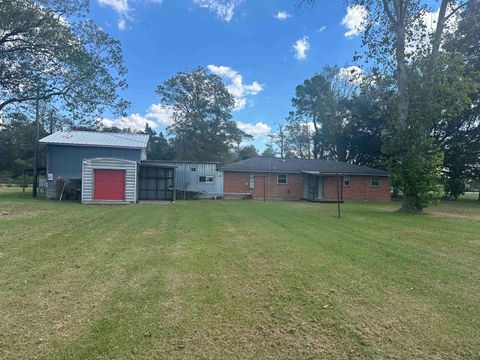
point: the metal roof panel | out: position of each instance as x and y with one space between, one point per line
93 138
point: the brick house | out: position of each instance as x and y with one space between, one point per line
293 179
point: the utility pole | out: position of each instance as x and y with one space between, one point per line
35 147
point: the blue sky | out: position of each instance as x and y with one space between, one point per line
250 43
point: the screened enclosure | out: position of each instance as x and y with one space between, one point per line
156 183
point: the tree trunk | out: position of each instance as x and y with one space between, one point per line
401 71
438 33
411 204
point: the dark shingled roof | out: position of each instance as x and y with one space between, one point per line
265 164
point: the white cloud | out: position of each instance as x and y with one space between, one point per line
353 74
235 85
124 9
161 113
256 130
282 15
156 114
133 121
121 24
224 9
120 6
321 29
429 19
301 48
355 20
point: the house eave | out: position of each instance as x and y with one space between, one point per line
306 172
95 145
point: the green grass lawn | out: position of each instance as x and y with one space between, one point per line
238 279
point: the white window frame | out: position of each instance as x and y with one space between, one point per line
345 178
371 181
209 179
286 179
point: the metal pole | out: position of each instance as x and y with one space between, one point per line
264 194
269 162
338 197
35 147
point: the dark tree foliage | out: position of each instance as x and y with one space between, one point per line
363 131
247 152
314 103
50 51
16 144
336 119
202 127
430 86
459 136
159 147
269 151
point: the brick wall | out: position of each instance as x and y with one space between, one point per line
238 182
359 189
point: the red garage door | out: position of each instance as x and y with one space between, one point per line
109 184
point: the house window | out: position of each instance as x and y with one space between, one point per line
206 179
346 180
193 169
282 178
375 182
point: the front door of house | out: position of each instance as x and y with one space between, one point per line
313 187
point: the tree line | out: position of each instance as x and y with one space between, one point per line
415 105
410 104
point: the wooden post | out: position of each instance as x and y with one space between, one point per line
338 197
35 148
23 183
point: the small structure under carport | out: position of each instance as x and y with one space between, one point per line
119 181
107 168
109 181
67 151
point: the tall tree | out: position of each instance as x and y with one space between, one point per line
280 139
202 127
364 124
16 143
459 136
395 35
314 103
422 96
158 146
49 51
269 151
298 137
247 152
322 104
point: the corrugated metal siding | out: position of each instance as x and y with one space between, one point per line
186 179
130 167
65 161
92 138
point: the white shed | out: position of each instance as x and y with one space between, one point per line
109 181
